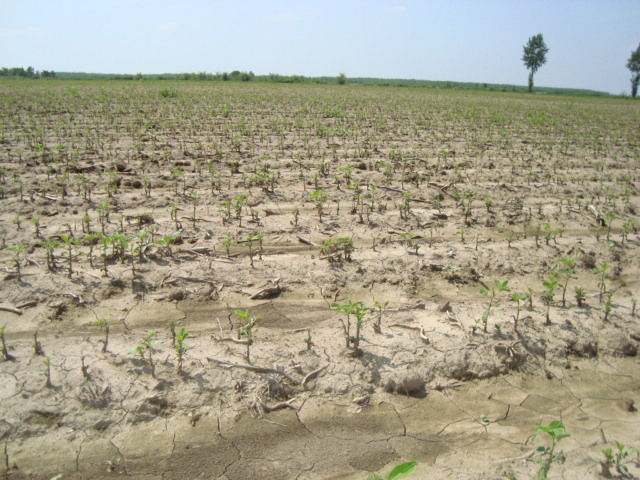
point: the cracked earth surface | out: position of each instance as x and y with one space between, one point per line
477 429
442 193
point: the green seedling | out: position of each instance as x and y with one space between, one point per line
249 241
338 250
550 286
319 198
377 327
103 323
498 286
86 223
173 213
359 310
91 240
409 242
69 242
246 331
5 352
296 213
405 206
37 346
228 242
35 221
608 307
399 471
239 201
104 244
634 303
565 274
529 299
627 227
146 182
171 324
517 297
618 459
580 296
180 348
307 340
194 203
608 222
176 173
47 372
146 347
601 271
168 240
50 247
17 258
547 455
18 222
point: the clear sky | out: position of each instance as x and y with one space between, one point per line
461 40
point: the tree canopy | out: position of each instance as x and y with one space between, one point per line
633 64
534 56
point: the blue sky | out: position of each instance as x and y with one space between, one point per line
461 40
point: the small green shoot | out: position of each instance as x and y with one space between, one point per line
399 471
547 454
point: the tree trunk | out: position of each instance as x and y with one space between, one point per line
530 82
634 84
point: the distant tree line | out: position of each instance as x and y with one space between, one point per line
28 72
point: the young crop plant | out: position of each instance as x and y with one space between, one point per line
5 352
105 241
177 174
608 307
168 240
399 471
359 310
408 239
246 332
497 286
239 201
17 259
47 372
517 297
601 271
103 323
550 286
580 296
565 274
69 241
35 221
37 346
618 458
380 307
146 347
338 250
627 227
608 222
405 206
193 197
547 455
249 240
319 198
181 348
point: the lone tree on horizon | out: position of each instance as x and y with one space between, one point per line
633 64
534 56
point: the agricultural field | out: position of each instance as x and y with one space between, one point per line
254 280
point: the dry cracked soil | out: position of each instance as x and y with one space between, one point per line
263 281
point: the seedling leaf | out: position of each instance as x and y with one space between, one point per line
402 470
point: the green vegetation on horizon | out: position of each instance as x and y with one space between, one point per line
277 78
